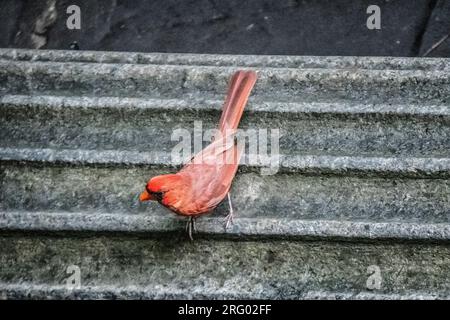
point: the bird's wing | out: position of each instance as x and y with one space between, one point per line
212 170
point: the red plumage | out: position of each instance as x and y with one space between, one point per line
206 179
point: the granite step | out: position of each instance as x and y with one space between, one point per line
276 82
118 267
313 137
57 197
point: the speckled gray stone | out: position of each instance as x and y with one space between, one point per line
243 228
364 173
402 139
29 187
281 61
186 76
171 267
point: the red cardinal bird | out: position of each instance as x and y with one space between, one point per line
205 180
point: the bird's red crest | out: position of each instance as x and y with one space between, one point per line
162 183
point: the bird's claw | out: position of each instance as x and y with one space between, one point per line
229 220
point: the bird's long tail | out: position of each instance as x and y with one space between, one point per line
241 85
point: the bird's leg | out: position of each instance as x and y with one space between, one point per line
190 226
230 217
194 225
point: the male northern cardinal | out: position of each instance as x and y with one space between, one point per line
206 179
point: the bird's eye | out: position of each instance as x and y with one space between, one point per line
158 196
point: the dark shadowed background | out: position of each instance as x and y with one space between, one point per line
294 27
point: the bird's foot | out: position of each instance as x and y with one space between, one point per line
229 220
191 227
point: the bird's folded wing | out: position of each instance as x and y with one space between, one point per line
220 151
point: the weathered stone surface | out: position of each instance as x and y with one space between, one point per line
266 61
333 129
170 81
365 170
171 267
291 196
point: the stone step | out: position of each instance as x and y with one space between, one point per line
35 266
51 195
274 83
272 61
262 228
404 140
309 164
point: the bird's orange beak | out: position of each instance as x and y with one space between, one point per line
145 196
